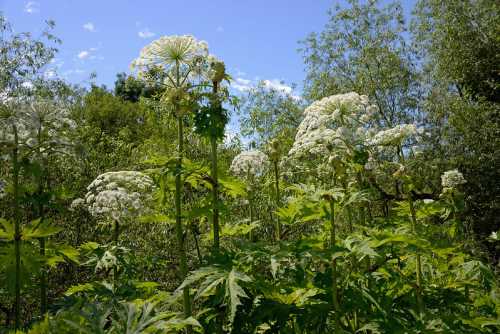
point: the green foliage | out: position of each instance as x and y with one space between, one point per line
369 241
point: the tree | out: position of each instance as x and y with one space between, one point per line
268 113
460 57
363 48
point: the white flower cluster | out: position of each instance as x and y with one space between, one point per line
452 179
170 50
3 184
39 123
393 136
254 163
119 195
334 122
77 204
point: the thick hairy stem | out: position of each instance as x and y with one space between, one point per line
250 206
178 216
17 233
43 280
278 198
43 269
196 244
336 306
349 219
116 233
418 267
215 196
215 180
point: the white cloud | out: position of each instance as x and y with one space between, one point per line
277 85
32 7
220 29
50 73
73 72
89 26
242 85
83 54
229 135
27 85
146 33
89 54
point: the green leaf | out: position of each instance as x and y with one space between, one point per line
87 287
232 187
7 232
39 229
235 291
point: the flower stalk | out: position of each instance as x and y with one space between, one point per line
17 230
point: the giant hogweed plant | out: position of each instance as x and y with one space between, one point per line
353 274
183 67
33 130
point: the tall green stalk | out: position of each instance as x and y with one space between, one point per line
17 231
278 198
215 180
43 280
336 306
116 233
178 215
418 264
43 269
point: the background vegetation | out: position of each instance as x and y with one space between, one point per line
380 216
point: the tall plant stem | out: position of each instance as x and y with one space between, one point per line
250 206
336 306
116 233
178 216
43 280
215 180
215 196
43 269
17 231
278 198
418 265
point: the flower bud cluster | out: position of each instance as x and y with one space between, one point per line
393 136
119 195
334 123
452 179
250 163
39 123
3 185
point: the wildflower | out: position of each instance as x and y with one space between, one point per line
338 121
77 204
119 195
173 53
393 136
254 163
452 179
40 123
3 185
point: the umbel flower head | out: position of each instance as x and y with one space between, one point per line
3 185
334 122
178 56
250 163
41 123
452 179
77 204
393 136
119 196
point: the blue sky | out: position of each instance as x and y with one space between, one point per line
257 39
